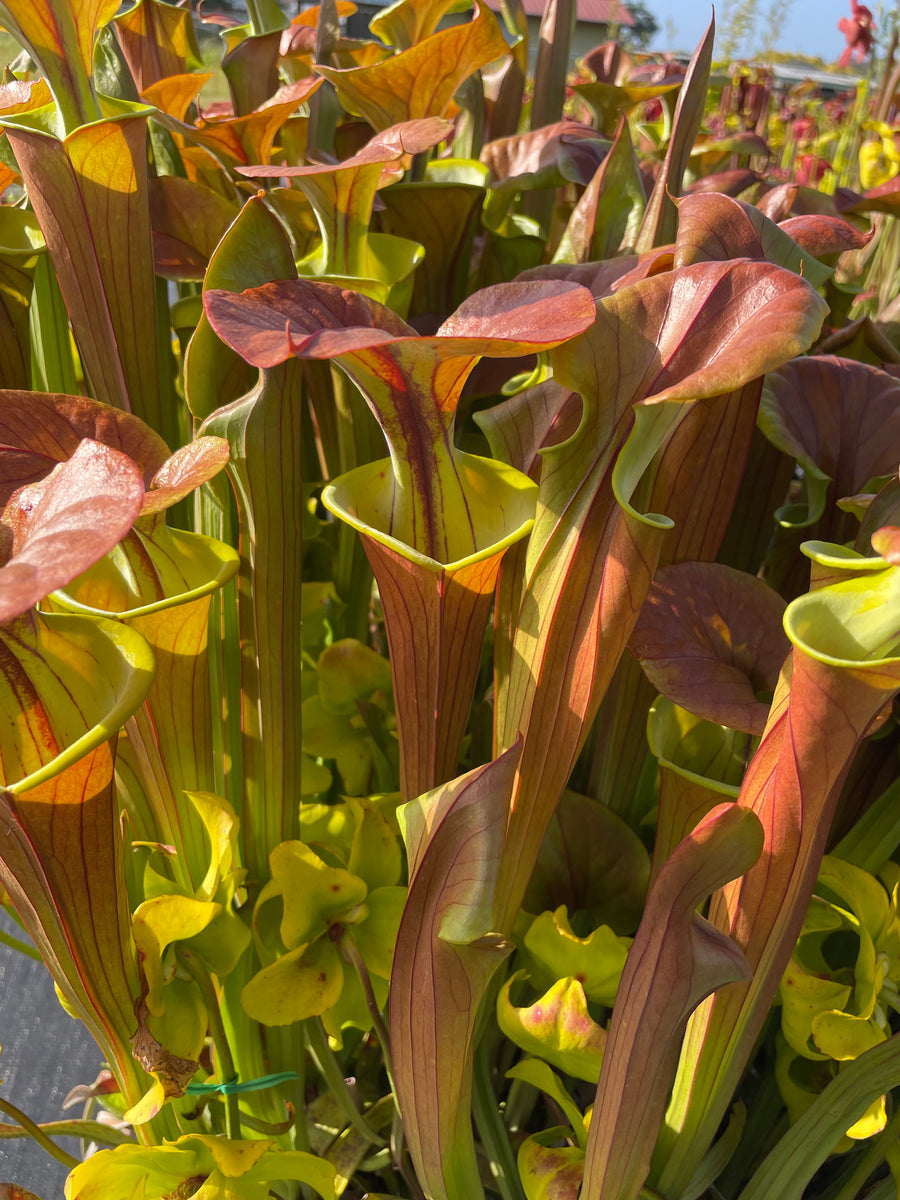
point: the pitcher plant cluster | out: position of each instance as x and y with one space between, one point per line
449 613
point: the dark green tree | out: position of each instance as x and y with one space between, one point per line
645 27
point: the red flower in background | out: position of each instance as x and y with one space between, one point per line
838 109
809 170
805 129
858 31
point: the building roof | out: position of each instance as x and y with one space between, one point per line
592 12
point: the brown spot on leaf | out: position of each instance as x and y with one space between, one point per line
173 1072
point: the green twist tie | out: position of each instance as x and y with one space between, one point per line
231 1086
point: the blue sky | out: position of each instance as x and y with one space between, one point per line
809 28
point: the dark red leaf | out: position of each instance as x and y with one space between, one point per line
710 639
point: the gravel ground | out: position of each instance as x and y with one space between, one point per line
43 1054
